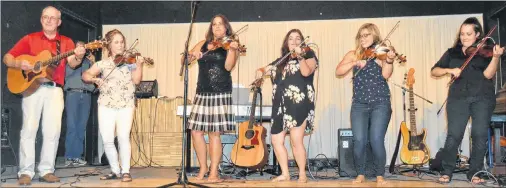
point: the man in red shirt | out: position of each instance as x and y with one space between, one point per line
47 100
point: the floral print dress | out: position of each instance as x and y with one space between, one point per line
293 97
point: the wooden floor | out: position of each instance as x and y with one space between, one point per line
154 177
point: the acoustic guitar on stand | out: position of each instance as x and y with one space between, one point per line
250 149
26 82
414 149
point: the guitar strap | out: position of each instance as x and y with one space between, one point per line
58 51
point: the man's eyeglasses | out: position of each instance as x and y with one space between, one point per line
50 18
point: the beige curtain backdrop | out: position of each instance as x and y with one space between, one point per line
422 39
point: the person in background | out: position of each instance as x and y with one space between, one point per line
77 108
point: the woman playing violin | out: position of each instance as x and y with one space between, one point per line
116 103
371 108
293 101
471 95
212 108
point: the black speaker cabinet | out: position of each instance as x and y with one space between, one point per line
147 89
346 159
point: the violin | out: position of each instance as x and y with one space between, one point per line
304 50
130 58
381 53
225 44
486 51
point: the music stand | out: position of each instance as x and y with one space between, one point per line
183 179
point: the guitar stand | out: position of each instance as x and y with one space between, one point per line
417 170
247 172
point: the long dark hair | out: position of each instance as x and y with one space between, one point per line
285 49
210 35
476 27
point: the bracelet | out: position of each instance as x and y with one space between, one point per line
389 62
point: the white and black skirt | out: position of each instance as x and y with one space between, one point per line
212 112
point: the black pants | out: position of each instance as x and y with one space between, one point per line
458 111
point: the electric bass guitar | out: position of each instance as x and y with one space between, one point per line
250 149
414 149
26 82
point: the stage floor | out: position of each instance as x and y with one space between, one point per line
153 177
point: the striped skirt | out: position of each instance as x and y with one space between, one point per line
212 112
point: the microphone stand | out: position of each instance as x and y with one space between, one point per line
407 90
183 179
391 168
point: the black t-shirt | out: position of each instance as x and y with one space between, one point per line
471 81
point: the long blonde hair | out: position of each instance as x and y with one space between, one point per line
373 29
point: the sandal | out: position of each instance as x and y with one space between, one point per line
477 181
126 177
110 176
444 179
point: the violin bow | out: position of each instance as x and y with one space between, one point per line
279 61
377 46
480 45
238 31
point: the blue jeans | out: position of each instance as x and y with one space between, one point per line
77 106
369 123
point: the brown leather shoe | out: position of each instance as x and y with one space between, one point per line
50 178
24 179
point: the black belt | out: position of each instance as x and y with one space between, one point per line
78 90
54 84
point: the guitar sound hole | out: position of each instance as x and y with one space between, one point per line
250 134
247 147
37 67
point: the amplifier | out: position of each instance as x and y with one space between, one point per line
346 158
147 89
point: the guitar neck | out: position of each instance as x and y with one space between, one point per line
57 58
253 106
412 111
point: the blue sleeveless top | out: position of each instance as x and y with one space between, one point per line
369 86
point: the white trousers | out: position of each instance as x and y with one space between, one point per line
119 121
48 102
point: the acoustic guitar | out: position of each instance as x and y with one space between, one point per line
26 82
250 149
414 149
